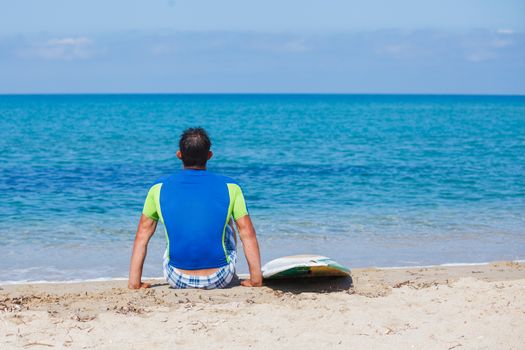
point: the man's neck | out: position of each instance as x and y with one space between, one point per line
194 168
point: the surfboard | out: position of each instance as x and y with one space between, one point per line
303 266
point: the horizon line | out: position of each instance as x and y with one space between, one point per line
266 93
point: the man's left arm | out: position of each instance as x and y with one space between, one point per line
145 230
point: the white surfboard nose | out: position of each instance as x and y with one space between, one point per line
303 265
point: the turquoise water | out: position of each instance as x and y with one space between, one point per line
379 180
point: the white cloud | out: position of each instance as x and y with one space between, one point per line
392 49
62 49
279 45
69 41
296 46
480 56
161 49
505 31
501 43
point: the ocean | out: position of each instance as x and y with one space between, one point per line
369 180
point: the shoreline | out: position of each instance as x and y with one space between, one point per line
468 306
245 275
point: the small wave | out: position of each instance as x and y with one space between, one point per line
101 279
442 265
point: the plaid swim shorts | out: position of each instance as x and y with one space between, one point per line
219 279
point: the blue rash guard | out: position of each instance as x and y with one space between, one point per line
195 207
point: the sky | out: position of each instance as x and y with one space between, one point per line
245 46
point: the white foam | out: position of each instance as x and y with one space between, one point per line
442 265
101 279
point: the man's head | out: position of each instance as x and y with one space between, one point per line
194 148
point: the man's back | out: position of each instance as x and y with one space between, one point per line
195 207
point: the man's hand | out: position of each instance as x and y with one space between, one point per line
249 283
145 230
139 286
251 251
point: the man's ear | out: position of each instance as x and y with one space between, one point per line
179 154
210 154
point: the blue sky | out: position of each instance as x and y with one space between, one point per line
325 46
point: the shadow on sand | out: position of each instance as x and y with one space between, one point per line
295 285
307 284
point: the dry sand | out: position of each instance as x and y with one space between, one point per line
462 307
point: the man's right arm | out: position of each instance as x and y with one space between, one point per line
145 230
251 251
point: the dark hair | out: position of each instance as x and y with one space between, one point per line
194 144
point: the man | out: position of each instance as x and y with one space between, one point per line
196 208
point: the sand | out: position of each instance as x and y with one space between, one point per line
461 307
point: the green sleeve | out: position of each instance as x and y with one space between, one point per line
237 200
151 205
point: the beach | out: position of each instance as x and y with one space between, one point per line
440 307
367 180
363 163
